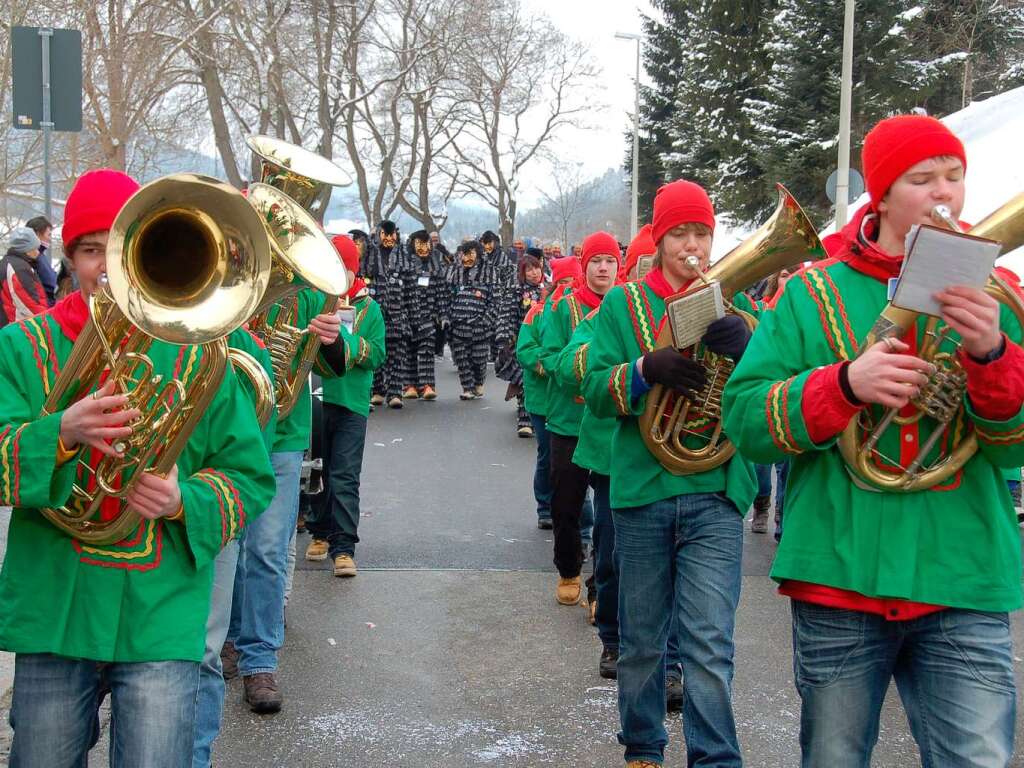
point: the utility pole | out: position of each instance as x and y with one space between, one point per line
845 97
633 223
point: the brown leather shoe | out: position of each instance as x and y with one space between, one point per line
642 764
410 393
229 660
377 400
262 694
344 565
429 393
317 550
569 590
395 402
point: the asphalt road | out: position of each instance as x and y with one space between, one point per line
448 648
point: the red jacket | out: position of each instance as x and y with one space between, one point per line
22 294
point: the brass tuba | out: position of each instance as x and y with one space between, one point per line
788 238
291 198
187 259
942 397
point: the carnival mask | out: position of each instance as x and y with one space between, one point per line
488 246
388 241
422 248
468 258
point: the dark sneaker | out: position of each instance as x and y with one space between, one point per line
545 524
759 522
229 660
262 694
608 666
674 694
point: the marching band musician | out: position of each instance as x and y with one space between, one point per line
678 538
882 584
535 382
210 697
129 616
263 560
569 482
335 522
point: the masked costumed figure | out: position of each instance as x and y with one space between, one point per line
389 273
425 297
471 307
529 289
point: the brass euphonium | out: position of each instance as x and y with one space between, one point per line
788 238
291 197
187 259
941 399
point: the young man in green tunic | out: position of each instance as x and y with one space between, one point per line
678 538
535 383
569 482
128 616
916 585
263 560
335 522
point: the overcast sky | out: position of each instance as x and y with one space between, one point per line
595 22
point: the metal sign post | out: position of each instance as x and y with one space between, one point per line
45 35
47 87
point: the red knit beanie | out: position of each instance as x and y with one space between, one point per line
94 203
348 251
681 202
898 143
641 245
599 244
567 266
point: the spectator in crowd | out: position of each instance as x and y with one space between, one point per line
43 265
22 294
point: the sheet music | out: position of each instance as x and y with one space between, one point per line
939 259
644 265
691 315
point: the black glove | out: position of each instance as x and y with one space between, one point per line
727 336
670 368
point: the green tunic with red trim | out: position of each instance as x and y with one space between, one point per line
625 329
955 545
293 430
594 449
564 404
147 597
364 353
528 351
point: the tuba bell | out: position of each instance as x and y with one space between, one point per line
291 198
942 397
788 238
187 259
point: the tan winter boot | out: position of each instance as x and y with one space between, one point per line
568 591
317 550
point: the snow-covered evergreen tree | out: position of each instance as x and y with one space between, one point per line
723 69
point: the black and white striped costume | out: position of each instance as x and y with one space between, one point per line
470 315
510 320
425 303
388 273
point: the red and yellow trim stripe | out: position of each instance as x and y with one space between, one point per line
777 417
619 388
579 362
641 316
232 511
831 312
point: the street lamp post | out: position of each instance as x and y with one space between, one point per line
636 133
845 92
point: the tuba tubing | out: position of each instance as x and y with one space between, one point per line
1006 225
186 262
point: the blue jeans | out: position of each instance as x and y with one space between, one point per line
679 558
542 469
264 570
953 670
587 518
55 708
335 516
210 702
